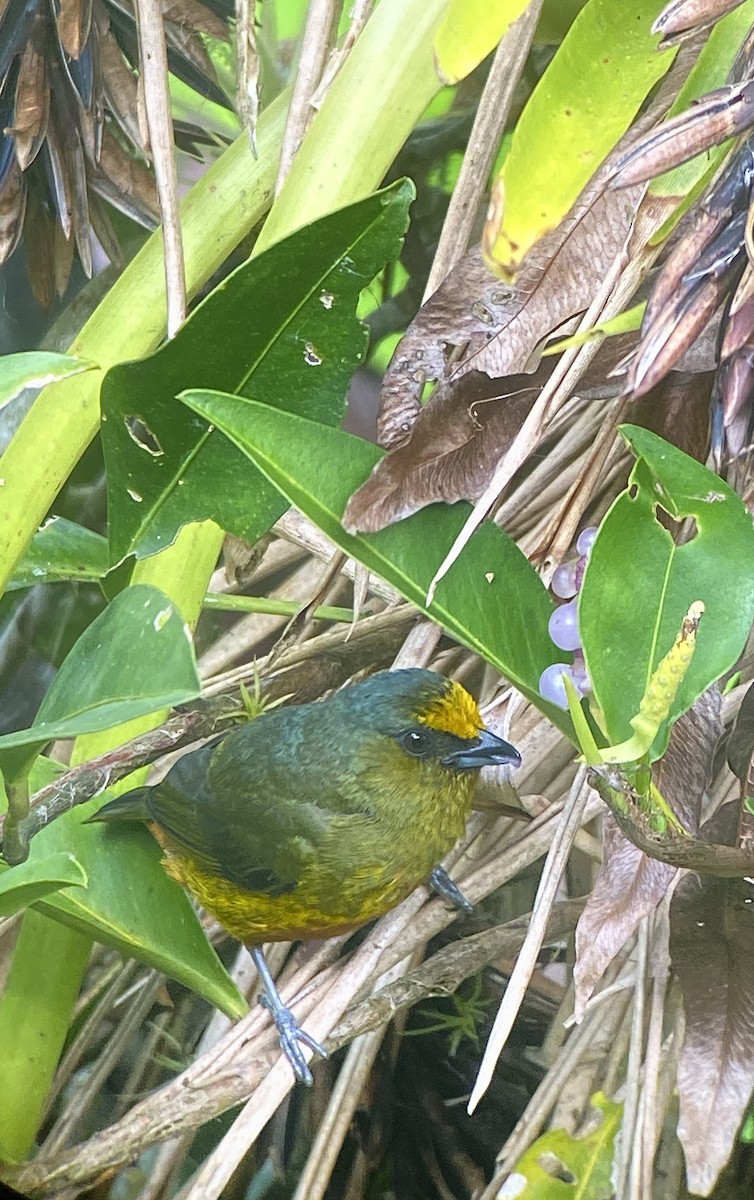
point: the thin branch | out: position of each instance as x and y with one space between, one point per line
489 124
154 77
519 981
315 44
247 56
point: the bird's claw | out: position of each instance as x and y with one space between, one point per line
441 883
291 1035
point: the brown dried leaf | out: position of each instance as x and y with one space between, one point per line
682 16
455 442
32 106
740 747
678 410
720 115
40 250
630 883
73 22
688 295
12 208
739 326
496 328
125 183
712 926
119 83
190 14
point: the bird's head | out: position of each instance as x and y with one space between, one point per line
429 717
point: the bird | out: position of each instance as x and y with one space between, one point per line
313 819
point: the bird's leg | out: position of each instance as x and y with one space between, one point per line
441 883
289 1032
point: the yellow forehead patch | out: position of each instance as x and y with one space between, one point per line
454 712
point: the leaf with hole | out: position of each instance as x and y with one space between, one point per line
282 327
559 1166
643 577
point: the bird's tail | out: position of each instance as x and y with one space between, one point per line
131 806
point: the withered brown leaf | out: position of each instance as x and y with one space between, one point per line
630 883
493 328
712 927
455 443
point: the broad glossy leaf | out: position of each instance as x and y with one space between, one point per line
470 30
282 326
585 101
639 584
35 369
62 550
491 600
128 903
135 658
34 880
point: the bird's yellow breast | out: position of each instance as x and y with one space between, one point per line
360 871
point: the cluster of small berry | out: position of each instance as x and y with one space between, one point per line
564 626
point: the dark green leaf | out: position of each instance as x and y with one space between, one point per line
62 550
134 659
639 583
129 902
492 600
34 880
281 326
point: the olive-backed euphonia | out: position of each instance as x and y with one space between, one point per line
313 819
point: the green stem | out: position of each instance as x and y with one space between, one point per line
49 961
274 608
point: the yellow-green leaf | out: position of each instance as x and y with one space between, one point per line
585 101
561 1167
471 29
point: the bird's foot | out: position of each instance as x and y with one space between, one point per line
289 1031
441 883
291 1037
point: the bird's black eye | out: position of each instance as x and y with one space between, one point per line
415 742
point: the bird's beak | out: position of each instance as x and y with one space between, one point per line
486 750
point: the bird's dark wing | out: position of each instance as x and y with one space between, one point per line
243 815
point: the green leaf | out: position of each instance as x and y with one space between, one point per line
625 322
559 1166
62 550
135 658
282 326
587 98
36 1005
470 30
129 903
31 881
35 369
132 905
639 585
491 600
